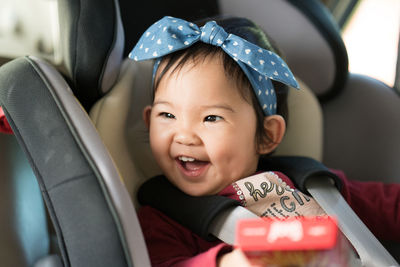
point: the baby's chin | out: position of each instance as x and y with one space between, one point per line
197 191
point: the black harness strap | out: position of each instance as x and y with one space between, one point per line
299 170
197 213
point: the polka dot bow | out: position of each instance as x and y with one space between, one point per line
260 66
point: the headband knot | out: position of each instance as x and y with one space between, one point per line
213 34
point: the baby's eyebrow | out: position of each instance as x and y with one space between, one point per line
219 106
161 102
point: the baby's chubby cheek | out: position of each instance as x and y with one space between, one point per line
234 166
158 148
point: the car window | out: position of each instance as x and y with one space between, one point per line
29 27
371 36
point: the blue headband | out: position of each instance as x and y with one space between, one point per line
260 66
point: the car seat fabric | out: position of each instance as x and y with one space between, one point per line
125 135
304 134
361 130
91 211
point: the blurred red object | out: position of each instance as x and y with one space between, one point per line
4 125
296 242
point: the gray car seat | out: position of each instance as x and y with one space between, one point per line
90 209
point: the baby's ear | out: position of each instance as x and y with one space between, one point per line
146 116
274 129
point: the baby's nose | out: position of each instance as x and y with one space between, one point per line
187 137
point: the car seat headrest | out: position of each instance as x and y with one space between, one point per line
92 40
308 36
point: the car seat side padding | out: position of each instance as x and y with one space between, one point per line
114 191
61 168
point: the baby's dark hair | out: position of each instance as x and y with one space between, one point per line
200 51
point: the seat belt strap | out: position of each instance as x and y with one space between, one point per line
224 224
370 250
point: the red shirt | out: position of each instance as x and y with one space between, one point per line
4 125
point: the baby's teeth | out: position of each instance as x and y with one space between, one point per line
186 159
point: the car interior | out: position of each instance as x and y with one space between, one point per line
79 152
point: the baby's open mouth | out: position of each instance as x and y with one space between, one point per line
191 164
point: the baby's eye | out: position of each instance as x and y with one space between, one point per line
167 115
213 118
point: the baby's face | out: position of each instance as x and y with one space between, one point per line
202 131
